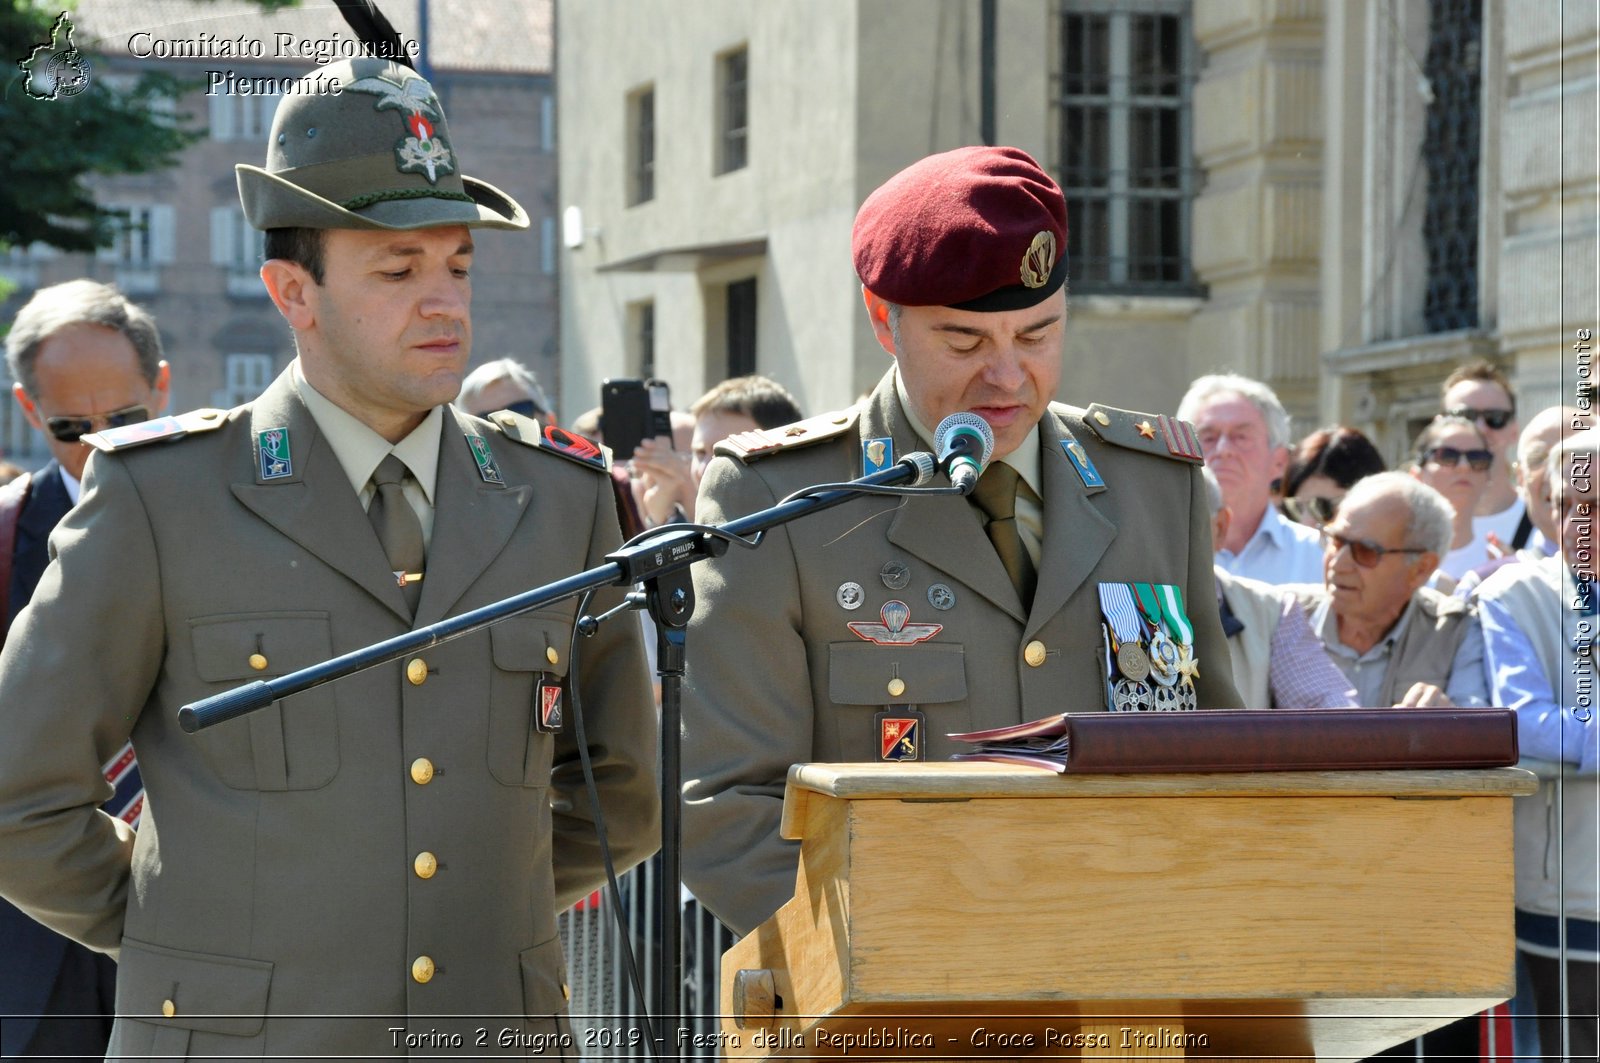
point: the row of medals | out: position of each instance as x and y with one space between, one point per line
1151 680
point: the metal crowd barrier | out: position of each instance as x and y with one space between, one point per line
607 1020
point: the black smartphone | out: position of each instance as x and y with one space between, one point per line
632 410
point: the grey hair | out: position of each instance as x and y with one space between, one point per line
896 311
1213 491
79 302
1255 392
1430 524
479 380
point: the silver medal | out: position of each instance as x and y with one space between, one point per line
1131 696
850 596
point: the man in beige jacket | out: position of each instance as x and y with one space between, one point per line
375 864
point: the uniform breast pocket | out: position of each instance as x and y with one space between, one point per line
860 673
527 683
292 744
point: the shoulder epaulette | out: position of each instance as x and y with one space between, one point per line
156 430
552 440
764 442
1153 433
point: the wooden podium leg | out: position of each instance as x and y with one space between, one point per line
1148 1040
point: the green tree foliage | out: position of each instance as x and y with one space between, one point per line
49 148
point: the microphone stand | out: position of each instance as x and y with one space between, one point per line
660 560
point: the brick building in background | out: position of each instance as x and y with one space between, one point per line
190 258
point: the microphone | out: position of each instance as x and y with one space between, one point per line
964 442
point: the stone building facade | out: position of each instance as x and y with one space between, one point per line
1343 199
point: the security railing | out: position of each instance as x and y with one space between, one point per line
607 1018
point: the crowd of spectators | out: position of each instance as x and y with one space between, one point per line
1461 576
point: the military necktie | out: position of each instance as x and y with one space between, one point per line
996 496
399 530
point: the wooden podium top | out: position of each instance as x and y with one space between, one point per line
969 780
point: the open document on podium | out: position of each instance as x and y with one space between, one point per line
1282 740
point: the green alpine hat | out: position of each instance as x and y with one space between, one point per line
375 154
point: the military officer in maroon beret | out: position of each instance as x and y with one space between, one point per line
1076 578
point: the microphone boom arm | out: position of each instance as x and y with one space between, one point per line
649 557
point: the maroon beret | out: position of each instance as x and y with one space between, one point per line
976 229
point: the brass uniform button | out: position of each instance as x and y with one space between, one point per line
566 991
1034 653
425 864
168 1008
258 662
422 771
417 671
551 655
1105 422
897 686
422 970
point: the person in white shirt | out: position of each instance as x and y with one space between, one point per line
1479 392
1244 431
1544 431
1453 458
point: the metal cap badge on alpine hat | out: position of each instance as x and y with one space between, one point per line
977 228
375 156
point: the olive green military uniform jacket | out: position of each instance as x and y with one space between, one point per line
295 865
777 677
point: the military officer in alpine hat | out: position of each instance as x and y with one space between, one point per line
1077 577
396 843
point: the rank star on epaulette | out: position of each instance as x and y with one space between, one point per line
1156 434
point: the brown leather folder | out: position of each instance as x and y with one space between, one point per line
1277 740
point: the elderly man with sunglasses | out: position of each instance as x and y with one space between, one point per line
82 358
1398 641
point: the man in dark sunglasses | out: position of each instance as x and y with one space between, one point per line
1481 393
1397 640
83 359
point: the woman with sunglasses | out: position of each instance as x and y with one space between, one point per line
1324 466
1452 457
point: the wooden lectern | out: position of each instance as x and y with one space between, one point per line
968 910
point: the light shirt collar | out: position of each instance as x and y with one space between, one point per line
1025 459
73 485
1273 526
1326 626
360 449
